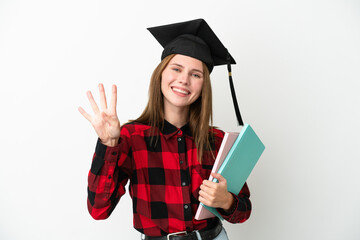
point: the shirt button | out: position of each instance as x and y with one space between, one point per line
186 206
179 132
183 184
181 162
114 153
179 139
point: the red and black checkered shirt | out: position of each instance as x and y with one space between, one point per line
165 178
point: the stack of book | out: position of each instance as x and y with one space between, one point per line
237 156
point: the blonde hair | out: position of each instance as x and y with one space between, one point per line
200 112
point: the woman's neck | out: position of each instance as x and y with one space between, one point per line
177 116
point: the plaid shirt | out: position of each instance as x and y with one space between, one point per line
165 178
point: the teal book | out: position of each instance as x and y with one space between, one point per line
239 162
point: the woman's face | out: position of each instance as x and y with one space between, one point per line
181 82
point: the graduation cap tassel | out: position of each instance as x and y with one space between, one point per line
236 106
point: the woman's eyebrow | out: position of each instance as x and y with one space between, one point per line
176 64
181 66
197 70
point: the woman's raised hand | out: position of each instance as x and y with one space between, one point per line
105 120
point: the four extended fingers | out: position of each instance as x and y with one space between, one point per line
103 102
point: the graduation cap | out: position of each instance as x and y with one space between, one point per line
196 39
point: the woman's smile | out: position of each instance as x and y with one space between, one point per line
180 91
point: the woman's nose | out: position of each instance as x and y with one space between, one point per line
184 78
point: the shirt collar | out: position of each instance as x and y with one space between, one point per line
169 130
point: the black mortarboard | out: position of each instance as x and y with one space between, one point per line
196 39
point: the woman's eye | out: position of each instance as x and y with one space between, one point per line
196 75
176 69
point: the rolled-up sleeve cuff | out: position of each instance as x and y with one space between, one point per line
229 215
103 154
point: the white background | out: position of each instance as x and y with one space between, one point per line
297 79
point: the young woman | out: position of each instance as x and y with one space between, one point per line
168 152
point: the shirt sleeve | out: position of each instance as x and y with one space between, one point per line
241 209
109 173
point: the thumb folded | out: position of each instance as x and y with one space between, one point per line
106 117
219 177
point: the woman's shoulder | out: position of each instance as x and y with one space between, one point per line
134 126
217 133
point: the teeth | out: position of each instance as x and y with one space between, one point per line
180 91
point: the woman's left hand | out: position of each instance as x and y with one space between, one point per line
215 194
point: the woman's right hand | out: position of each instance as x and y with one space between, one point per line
104 121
